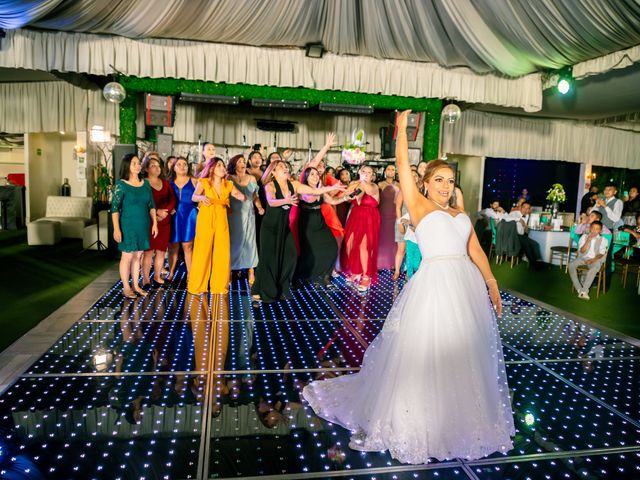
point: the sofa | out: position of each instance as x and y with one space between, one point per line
72 213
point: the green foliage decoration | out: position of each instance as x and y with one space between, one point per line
174 86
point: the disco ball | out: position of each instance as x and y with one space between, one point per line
114 92
451 113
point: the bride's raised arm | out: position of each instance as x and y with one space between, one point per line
410 193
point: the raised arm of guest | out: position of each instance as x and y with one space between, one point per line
307 190
329 142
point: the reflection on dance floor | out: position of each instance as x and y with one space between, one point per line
176 386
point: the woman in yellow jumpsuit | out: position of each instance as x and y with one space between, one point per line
210 266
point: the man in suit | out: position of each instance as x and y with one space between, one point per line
530 247
611 209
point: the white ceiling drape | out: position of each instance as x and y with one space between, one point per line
52 107
507 136
86 53
514 37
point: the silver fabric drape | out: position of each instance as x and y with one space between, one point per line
512 37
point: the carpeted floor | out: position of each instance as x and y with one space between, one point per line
37 280
617 309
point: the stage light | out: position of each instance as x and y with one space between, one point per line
564 86
314 50
529 420
565 80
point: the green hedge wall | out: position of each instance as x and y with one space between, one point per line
170 86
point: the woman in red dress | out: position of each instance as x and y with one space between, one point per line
359 254
165 201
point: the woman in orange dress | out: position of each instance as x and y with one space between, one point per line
211 263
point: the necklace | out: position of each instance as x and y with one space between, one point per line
446 207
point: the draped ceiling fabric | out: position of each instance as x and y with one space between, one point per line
87 53
52 107
507 136
513 38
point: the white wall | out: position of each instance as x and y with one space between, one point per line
471 173
69 168
11 161
44 171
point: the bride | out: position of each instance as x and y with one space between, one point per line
433 382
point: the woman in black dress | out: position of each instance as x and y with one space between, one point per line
318 247
277 247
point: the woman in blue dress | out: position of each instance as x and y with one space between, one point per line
242 224
183 228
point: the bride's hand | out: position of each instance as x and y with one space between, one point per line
402 120
494 295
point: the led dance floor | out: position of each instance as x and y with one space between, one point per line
216 382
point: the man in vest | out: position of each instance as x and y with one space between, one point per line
592 249
611 209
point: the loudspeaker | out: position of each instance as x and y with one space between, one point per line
119 151
164 145
159 110
387 142
413 125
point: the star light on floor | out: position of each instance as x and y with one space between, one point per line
176 386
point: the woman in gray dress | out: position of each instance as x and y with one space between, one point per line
242 226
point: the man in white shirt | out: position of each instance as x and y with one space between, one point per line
592 250
611 209
530 247
494 211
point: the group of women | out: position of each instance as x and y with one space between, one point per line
306 228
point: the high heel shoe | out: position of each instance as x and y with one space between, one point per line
140 292
364 284
129 294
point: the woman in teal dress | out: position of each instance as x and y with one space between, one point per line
134 216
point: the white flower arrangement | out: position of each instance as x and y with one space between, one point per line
354 151
556 193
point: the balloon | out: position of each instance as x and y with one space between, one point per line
451 113
114 92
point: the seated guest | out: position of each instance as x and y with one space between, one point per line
518 205
494 211
483 224
634 232
592 251
587 220
632 205
530 247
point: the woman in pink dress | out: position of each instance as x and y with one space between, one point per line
359 254
387 243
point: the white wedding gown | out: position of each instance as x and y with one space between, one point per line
433 382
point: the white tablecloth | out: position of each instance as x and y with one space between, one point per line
548 239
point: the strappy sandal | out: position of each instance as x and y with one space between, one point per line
364 284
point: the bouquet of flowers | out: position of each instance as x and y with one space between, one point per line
556 193
354 151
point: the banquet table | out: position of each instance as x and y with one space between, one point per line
547 239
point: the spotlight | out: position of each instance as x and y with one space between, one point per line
314 50
529 419
564 86
565 80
